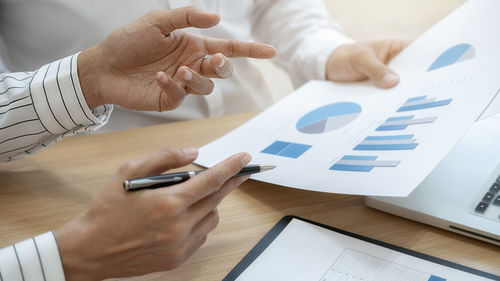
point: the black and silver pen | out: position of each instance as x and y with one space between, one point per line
175 178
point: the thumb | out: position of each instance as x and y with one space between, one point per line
170 20
158 162
370 65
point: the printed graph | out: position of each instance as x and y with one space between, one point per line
457 53
402 122
354 163
397 142
328 118
353 265
423 102
286 149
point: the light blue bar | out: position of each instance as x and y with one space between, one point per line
436 278
360 158
276 147
402 146
400 118
351 168
397 137
416 98
294 150
425 105
392 128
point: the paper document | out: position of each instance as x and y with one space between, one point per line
304 251
357 139
470 31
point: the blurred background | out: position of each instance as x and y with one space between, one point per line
375 19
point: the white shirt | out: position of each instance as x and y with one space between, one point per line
38 108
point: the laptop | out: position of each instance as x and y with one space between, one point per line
462 194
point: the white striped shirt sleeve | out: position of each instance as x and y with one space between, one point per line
41 107
35 259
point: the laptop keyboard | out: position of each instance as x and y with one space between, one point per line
489 204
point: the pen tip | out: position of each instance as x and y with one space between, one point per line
266 167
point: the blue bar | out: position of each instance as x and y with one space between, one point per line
351 168
392 128
359 158
436 278
294 150
400 118
276 147
425 105
416 98
401 146
397 137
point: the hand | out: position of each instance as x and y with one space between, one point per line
358 61
150 64
125 234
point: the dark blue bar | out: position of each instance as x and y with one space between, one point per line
392 128
351 168
294 150
425 105
436 278
400 146
276 147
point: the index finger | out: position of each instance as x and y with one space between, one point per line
211 180
235 48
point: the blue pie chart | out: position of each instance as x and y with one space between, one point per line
453 55
328 118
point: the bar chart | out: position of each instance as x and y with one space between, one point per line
423 102
353 265
457 53
402 122
355 163
396 142
286 149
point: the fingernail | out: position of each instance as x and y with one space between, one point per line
162 77
246 159
187 75
222 63
390 79
190 152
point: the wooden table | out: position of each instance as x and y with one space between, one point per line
44 191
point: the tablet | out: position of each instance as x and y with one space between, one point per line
296 249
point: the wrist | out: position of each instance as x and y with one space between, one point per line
74 245
89 74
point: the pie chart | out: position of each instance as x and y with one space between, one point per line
453 55
328 118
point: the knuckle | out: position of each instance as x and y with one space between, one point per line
216 178
174 206
128 167
178 232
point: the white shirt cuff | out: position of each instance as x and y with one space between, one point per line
32 260
59 101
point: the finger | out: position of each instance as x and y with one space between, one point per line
173 93
210 180
158 162
194 82
217 66
202 208
234 48
170 20
206 225
369 64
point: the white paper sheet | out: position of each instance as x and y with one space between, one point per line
468 87
475 23
303 251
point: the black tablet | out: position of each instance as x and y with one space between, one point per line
296 249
